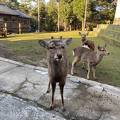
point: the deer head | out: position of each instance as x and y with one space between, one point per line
56 48
102 50
83 36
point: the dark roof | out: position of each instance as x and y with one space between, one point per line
4 9
21 14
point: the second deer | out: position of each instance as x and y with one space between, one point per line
91 58
87 43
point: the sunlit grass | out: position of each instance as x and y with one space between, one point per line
38 36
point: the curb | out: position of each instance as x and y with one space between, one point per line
99 89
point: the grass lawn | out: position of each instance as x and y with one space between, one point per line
38 36
25 48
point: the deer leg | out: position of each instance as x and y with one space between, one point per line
61 92
88 73
83 65
53 91
48 90
93 70
76 59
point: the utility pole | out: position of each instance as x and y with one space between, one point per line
38 16
58 23
84 24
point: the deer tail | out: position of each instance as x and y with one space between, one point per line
73 51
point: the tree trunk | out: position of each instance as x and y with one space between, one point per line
65 26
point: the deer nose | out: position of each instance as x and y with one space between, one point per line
59 56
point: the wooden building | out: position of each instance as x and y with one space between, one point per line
13 21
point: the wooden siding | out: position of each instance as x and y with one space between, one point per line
14 23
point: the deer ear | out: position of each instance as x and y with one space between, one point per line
99 47
68 41
43 43
60 37
52 37
80 33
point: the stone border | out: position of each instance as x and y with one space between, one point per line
22 64
99 89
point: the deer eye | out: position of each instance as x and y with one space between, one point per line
63 47
51 47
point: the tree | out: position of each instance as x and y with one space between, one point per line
79 9
11 3
102 11
65 13
52 15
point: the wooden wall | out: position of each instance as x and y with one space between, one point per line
15 24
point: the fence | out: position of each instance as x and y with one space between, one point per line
13 27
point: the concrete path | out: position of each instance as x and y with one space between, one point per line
23 96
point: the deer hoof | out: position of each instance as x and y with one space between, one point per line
63 109
95 78
72 73
88 78
51 107
48 91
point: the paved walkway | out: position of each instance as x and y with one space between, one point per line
23 96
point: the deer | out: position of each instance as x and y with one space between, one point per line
91 58
57 65
87 43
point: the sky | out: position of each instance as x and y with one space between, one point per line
46 0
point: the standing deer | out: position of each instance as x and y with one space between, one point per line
92 58
87 43
57 64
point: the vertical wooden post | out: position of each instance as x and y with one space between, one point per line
38 16
5 30
85 15
19 28
58 22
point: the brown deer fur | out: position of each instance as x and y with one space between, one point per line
86 42
92 58
57 64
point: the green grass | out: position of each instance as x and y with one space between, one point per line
27 50
38 36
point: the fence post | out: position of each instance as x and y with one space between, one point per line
19 28
5 29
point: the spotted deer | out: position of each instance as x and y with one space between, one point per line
91 58
57 64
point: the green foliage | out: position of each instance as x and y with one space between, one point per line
11 3
52 15
102 11
65 11
71 13
78 8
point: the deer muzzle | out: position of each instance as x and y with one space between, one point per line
58 57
